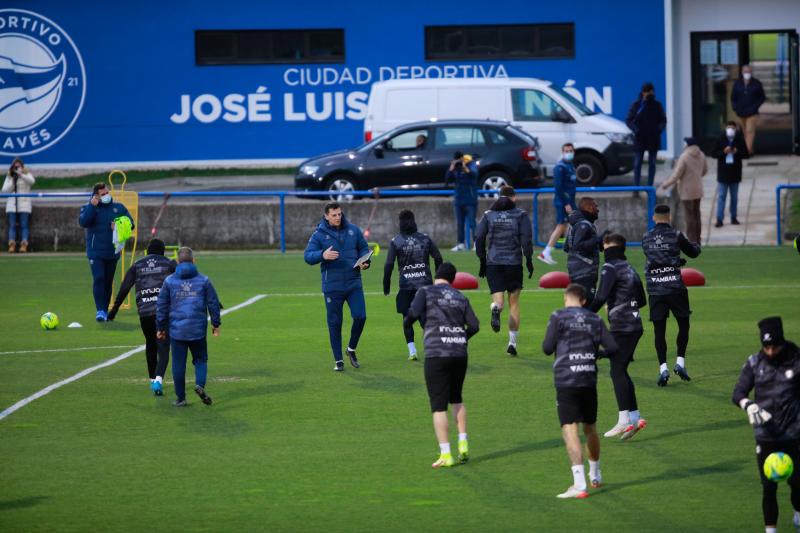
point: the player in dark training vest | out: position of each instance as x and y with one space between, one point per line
413 251
449 322
506 230
774 412
662 247
148 275
583 246
575 335
621 288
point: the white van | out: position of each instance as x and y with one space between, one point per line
603 144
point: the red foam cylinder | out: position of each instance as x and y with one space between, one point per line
692 277
554 280
465 281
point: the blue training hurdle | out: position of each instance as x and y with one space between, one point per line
388 193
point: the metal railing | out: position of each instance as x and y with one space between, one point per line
778 224
389 193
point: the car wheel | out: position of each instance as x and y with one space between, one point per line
493 181
589 171
339 186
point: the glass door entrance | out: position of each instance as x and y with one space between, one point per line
717 59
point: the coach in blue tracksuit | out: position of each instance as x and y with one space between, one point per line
185 302
97 217
336 245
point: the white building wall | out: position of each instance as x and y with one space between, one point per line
713 15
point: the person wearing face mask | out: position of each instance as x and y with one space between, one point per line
583 246
564 182
729 150
688 174
98 217
646 119
773 374
621 288
18 180
747 96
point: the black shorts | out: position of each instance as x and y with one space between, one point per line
504 278
764 448
404 299
662 304
444 377
576 404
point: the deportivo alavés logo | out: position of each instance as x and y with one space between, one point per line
42 82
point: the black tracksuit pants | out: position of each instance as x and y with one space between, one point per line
157 351
623 384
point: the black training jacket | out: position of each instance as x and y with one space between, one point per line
412 252
583 248
662 247
508 230
148 274
575 334
777 390
447 317
621 288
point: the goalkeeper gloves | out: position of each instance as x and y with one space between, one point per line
755 414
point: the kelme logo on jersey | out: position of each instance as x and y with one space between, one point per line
42 82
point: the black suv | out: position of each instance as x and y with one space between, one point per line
418 155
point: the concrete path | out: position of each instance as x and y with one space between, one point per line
756 209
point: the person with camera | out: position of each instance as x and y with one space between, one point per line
18 180
98 218
463 173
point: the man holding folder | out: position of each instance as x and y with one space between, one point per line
342 252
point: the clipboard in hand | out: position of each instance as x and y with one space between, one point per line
363 259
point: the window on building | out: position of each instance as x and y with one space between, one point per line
517 41
242 47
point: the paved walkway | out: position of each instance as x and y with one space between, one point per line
756 209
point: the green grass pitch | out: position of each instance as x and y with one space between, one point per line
290 446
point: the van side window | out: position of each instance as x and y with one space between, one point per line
406 141
533 106
454 137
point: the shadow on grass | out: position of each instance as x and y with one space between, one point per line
724 467
21 503
520 448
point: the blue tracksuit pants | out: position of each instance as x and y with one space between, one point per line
103 275
334 304
180 349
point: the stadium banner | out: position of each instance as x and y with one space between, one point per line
121 83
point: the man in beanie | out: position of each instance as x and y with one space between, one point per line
774 411
583 246
688 175
413 251
148 275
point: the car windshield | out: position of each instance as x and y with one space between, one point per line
574 102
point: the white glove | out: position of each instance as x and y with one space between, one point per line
755 414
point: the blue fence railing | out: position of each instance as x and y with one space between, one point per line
778 225
281 195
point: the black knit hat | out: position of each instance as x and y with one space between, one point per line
156 247
771 331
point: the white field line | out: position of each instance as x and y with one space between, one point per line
50 388
83 348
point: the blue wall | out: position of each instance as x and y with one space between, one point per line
139 62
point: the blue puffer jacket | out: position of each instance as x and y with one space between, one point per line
564 182
186 299
97 221
339 274
465 188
